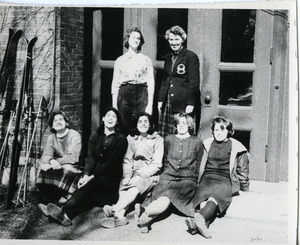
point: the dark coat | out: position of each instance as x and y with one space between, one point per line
182 82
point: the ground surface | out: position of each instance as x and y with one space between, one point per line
260 216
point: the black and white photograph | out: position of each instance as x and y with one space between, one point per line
149 123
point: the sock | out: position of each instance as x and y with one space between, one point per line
209 210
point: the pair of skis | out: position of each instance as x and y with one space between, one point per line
8 61
6 71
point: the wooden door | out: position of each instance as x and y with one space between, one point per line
235 46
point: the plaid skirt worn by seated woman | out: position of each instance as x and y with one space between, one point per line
59 170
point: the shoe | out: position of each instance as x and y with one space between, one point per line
62 200
201 226
192 229
43 208
113 222
144 222
108 211
58 214
138 210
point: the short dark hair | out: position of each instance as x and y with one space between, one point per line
52 116
225 121
119 125
151 129
127 35
190 121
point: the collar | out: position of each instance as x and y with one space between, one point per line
176 54
149 136
63 134
130 55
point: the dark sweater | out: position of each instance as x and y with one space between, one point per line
105 154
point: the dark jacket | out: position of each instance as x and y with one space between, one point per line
105 155
182 83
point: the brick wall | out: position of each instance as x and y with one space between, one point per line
71 70
57 70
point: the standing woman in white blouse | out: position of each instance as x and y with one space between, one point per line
133 80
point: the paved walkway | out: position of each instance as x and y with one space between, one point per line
260 216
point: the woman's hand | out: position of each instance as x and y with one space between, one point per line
46 166
189 109
134 179
148 109
55 164
159 106
126 181
84 180
141 173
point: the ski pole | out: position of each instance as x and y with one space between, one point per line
28 154
3 148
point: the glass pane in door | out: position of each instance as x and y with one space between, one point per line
235 88
166 19
105 97
112 33
243 137
238 30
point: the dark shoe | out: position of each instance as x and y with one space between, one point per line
113 222
43 208
192 229
138 210
58 214
201 225
108 211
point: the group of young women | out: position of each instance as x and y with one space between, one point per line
147 171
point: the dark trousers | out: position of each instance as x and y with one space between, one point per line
96 193
132 99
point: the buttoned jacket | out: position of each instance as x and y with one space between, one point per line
181 80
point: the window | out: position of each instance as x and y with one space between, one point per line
238 30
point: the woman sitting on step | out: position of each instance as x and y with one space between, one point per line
224 171
141 166
59 170
177 184
102 174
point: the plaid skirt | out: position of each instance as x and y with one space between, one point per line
166 123
65 178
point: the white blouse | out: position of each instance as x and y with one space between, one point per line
134 69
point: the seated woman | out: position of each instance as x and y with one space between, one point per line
224 171
142 163
177 184
102 174
59 170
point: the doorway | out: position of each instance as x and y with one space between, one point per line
234 47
